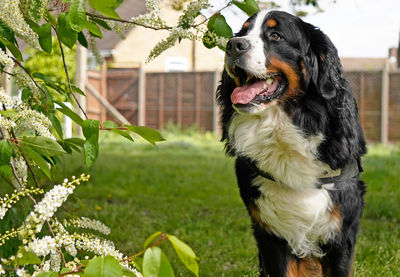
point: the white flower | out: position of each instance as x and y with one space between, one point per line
88 223
11 15
5 59
2 271
43 246
22 80
22 273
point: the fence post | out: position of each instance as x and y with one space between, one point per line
385 104
216 127
141 97
80 80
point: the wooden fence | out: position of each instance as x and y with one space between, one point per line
188 98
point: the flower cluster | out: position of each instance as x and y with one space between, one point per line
33 9
177 33
192 11
21 172
45 209
11 15
87 223
23 80
8 200
5 60
36 121
26 117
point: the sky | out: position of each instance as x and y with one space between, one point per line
358 28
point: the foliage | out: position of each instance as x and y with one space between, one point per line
51 65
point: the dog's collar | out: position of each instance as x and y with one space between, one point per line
350 171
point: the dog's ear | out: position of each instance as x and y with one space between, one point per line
323 61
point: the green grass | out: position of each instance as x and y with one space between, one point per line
186 187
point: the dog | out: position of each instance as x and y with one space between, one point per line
289 117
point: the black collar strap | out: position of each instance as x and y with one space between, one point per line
351 171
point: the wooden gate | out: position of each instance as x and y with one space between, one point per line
123 91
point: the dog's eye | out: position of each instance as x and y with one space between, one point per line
275 36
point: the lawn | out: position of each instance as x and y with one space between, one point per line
186 187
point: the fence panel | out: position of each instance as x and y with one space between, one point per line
94 109
394 106
184 98
187 98
122 92
367 88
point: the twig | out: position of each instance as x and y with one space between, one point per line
66 73
128 21
163 237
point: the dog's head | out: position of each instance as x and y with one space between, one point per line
276 58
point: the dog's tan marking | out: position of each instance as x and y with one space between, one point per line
278 65
255 215
271 23
307 267
245 25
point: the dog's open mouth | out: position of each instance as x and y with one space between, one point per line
253 90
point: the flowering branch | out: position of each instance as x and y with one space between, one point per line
134 22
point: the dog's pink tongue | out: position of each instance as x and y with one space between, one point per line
246 93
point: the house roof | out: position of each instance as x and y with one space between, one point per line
127 9
355 64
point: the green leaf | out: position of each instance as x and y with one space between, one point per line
47 274
90 127
9 113
6 171
25 257
127 272
13 49
107 7
77 141
44 146
218 25
101 23
186 254
39 161
77 90
56 124
151 239
156 264
147 133
68 112
67 35
45 38
77 15
91 150
5 152
122 133
93 29
209 39
109 124
103 267
82 40
248 6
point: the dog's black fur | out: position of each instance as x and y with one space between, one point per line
322 103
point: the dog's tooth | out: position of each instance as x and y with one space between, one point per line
248 79
269 81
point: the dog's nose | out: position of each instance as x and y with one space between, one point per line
237 47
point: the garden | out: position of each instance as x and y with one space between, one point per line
127 200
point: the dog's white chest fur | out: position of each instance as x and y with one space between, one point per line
292 207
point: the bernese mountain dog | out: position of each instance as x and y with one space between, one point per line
289 117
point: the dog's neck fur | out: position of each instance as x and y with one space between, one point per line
277 146
291 206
